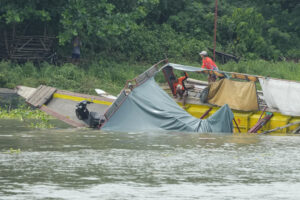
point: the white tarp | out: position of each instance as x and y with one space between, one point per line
282 95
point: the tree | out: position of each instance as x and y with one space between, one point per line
101 19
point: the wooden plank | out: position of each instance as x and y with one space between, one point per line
43 44
36 96
46 94
6 42
19 49
233 75
41 96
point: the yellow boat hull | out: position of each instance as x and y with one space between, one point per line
247 120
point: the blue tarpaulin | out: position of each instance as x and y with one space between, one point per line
149 108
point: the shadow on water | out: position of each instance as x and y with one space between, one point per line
68 163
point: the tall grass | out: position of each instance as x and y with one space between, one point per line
111 76
282 70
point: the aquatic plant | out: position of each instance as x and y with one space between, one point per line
26 113
13 151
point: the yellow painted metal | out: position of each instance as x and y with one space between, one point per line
246 120
242 119
74 98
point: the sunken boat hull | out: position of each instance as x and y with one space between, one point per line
62 104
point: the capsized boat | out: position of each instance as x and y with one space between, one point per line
141 106
145 105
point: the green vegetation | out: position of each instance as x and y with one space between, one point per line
109 76
13 151
282 70
138 30
35 118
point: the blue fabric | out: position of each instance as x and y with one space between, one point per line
148 107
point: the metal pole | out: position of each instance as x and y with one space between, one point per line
215 30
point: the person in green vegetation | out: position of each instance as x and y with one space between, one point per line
76 50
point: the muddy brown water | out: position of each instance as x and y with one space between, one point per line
67 163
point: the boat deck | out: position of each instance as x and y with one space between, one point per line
62 104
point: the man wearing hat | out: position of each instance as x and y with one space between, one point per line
208 63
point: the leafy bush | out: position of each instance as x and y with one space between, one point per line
3 80
28 69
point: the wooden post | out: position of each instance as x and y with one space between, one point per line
215 29
45 31
14 31
282 127
206 113
6 43
237 125
263 111
260 123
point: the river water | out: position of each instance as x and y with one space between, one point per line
69 163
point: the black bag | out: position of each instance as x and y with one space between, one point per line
204 94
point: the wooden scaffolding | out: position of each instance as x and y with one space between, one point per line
26 48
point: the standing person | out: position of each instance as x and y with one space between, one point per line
208 63
76 50
179 88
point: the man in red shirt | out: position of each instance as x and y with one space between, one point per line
208 63
179 88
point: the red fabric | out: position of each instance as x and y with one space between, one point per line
179 82
208 63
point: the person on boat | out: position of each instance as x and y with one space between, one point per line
180 89
208 63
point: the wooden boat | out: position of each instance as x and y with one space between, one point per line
62 104
261 120
245 120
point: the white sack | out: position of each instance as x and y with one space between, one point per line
282 95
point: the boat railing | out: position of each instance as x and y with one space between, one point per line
149 73
131 84
115 106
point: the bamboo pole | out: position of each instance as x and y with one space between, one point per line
237 126
215 28
6 42
233 75
282 127
206 113
296 130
